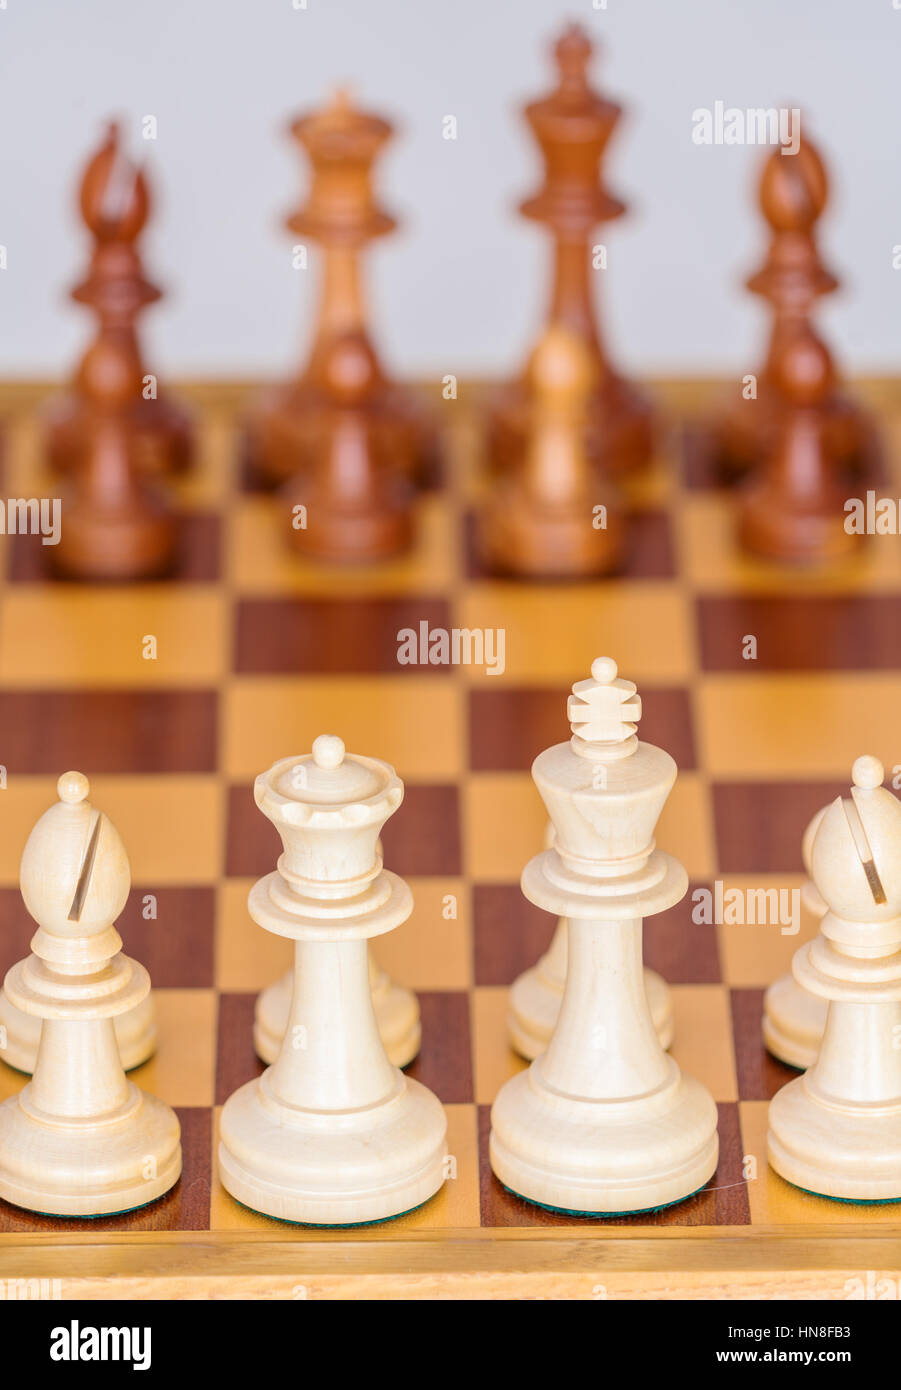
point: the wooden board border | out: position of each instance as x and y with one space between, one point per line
780 1262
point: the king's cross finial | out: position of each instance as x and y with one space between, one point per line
603 709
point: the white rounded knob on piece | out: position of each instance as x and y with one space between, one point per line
73 787
867 772
604 670
328 752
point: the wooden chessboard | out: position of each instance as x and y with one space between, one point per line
257 654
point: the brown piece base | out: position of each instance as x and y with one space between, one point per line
771 530
518 538
285 428
114 547
349 536
162 436
746 434
620 428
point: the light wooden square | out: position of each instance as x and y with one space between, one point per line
796 726
554 633
414 722
493 1058
752 956
186 1023
83 637
703 1039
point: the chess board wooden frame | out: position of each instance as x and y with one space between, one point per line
248 671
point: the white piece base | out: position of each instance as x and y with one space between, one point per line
793 1023
136 1035
835 1152
604 1157
90 1168
396 1013
339 1169
535 1000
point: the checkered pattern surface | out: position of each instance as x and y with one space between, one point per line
259 652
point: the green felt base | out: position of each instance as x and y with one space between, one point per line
93 1215
602 1215
848 1201
333 1225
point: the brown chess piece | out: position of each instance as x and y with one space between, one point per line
550 515
793 510
114 524
342 217
572 127
354 504
793 194
115 205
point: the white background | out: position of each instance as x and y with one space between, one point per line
462 286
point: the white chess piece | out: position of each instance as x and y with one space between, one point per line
80 1139
836 1130
396 1013
536 996
604 1121
794 1019
332 1133
135 1031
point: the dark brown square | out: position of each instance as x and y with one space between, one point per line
16 929
683 951
722 1202
236 1061
109 731
830 633
177 945
759 825
508 728
252 844
699 459
444 1063
760 1075
509 932
186 1207
332 637
423 838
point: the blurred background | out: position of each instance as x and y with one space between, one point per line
461 286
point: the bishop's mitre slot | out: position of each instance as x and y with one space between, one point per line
862 845
84 878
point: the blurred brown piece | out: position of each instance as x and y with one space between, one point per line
792 510
357 498
114 524
572 127
550 515
115 205
341 215
793 194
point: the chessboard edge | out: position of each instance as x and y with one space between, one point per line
777 1263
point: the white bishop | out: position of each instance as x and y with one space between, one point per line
80 1139
836 1130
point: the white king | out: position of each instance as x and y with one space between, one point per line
604 1122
